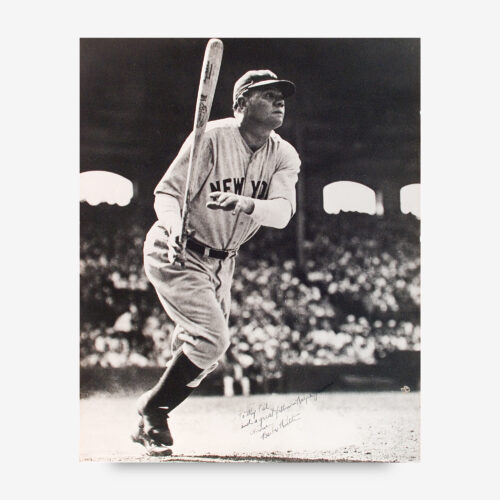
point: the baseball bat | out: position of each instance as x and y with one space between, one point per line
206 90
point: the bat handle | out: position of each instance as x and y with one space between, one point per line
181 256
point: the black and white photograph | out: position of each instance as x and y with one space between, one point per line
250 251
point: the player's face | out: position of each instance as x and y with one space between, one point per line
266 106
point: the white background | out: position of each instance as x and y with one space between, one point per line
40 106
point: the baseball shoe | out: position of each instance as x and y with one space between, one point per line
152 429
153 448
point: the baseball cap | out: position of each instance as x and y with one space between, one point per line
261 78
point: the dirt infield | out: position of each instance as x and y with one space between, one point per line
331 427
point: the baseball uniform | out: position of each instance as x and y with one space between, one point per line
243 166
197 296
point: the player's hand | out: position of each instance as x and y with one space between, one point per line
230 202
174 231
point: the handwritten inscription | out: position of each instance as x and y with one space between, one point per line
265 419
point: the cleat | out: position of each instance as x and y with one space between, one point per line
161 436
153 449
159 452
152 429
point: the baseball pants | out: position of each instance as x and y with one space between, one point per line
197 297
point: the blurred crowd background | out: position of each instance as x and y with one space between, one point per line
356 300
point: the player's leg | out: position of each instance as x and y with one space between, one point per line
201 337
198 345
179 380
192 373
171 390
176 384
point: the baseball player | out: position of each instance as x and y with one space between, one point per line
245 177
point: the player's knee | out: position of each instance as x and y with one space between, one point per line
203 350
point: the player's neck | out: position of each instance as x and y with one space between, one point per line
253 135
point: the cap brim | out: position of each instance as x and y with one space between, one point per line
287 87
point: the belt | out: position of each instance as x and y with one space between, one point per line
207 251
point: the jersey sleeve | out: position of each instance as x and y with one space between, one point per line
285 177
173 182
271 213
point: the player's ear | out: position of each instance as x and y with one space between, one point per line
242 103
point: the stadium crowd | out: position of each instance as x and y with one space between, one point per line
356 299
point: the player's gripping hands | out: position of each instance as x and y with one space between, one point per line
169 215
230 202
174 229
